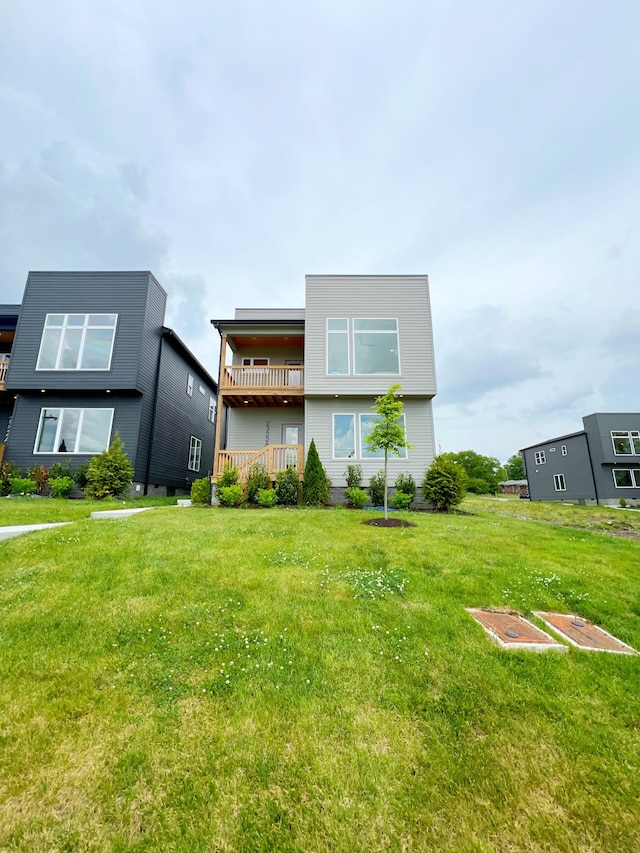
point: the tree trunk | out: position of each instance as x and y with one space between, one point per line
386 503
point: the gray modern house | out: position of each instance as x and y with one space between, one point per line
292 375
86 355
598 465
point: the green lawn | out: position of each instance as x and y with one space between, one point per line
292 680
36 510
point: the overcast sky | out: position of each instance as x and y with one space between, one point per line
232 147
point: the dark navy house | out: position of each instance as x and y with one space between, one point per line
87 355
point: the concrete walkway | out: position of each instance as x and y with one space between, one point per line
17 529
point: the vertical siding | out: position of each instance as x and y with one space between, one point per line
419 432
247 428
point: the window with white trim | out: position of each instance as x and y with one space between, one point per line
77 342
367 423
558 483
540 457
212 409
255 362
350 432
195 451
73 431
626 442
338 346
190 385
364 346
564 449
626 478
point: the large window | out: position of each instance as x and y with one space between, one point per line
74 430
195 451
345 440
77 342
367 423
626 442
370 349
626 478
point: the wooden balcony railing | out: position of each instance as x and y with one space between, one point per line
274 457
281 377
4 365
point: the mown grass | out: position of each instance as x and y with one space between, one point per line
207 679
37 510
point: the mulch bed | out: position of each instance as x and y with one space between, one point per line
388 522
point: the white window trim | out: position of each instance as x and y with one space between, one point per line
56 443
540 457
357 436
563 449
211 416
559 483
195 444
189 385
346 332
84 328
375 332
635 478
333 435
630 434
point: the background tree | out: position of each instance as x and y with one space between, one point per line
388 432
316 485
482 472
514 468
443 486
110 473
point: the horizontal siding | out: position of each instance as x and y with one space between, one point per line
270 314
403 297
276 355
419 432
248 428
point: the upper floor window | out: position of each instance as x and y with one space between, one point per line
190 385
564 449
540 457
73 430
372 347
626 442
195 451
212 409
338 346
77 342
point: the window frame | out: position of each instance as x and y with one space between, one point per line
195 453
358 445
540 457
395 331
57 442
84 327
351 415
347 333
559 483
563 449
211 415
633 437
634 474
374 455
189 385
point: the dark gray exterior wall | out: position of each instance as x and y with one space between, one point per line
6 410
598 428
575 467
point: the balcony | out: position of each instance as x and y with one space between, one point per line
4 365
274 457
277 385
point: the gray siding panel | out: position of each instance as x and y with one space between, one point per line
599 427
251 429
575 467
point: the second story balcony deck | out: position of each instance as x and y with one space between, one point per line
268 385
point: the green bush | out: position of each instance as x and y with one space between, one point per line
229 477
444 484
39 474
376 489
406 484
267 498
316 486
110 473
23 486
230 495
357 497
80 475
353 475
7 471
61 487
201 492
288 487
401 500
60 469
257 480
623 502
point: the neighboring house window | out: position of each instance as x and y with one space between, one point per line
626 442
558 483
195 450
77 342
540 457
338 346
190 385
626 478
344 436
564 449
73 430
375 347
212 409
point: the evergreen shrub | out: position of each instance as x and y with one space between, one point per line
230 495
110 473
316 486
201 492
357 497
267 498
376 489
288 487
258 479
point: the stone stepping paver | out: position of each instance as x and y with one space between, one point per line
584 634
512 631
119 513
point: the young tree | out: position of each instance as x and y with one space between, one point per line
110 473
388 433
444 483
316 485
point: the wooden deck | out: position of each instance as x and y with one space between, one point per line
277 385
274 457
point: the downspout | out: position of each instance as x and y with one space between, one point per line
593 473
152 426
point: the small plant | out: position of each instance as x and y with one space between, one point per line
376 488
357 497
406 484
110 473
267 498
401 500
353 475
23 486
229 477
39 474
201 492
444 484
80 475
623 502
60 469
7 471
258 479
230 495
61 487
316 485
288 487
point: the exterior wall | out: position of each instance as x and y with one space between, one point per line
575 467
247 428
26 416
403 297
419 431
276 355
178 417
258 314
6 410
598 428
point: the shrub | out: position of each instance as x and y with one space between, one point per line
229 477
7 471
258 479
401 500
623 502
478 486
443 486
110 473
230 495
357 497
267 498
60 469
288 487
406 484
39 474
316 485
61 487
376 489
23 486
201 492
354 476
80 475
